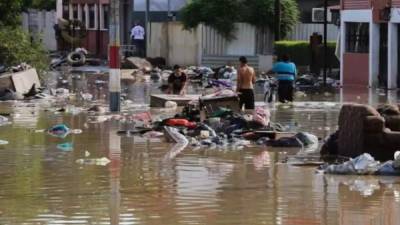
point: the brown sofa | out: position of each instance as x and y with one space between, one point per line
362 129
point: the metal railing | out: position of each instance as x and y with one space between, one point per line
128 50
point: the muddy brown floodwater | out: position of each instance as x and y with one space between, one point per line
145 183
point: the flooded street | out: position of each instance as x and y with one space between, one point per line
148 182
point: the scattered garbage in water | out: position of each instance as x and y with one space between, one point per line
104 161
62 131
4 121
3 142
66 147
365 164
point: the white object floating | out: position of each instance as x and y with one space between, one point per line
3 142
97 162
76 131
87 154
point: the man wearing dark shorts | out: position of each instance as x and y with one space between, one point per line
245 84
177 82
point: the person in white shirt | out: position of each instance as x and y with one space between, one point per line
138 39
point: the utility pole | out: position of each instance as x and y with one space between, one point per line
98 32
114 58
277 13
169 18
325 40
147 25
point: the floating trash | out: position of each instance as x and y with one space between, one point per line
59 130
4 121
66 147
3 142
97 162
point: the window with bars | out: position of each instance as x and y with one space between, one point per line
92 17
83 19
357 37
75 11
105 15
65 8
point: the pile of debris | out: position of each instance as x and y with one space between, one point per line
365 164
222 129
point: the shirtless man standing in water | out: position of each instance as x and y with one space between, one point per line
245 84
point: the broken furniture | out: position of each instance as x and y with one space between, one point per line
363 130
20 82
181 100
212 104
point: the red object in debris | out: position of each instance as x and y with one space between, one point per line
181 123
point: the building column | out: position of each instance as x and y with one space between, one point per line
71 12
96 17
392 55
86 9
80 12
59 8
374 40
342 48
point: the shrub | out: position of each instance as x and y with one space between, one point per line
17 47
300 52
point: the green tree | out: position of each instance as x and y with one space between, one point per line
10 9
39 4
10 12
222 14
17 47
219 14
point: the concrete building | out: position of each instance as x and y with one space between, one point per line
370 43
95 15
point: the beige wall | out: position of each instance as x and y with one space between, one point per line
184 46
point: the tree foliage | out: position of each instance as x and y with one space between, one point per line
218 14
222 14
39 4
17 47
10 9
9 12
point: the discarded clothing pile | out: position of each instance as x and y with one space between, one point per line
300 140
223 128
365 164
198 73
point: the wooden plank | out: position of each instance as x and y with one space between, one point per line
181 100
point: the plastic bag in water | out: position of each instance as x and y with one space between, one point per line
361 165
60 130
66 147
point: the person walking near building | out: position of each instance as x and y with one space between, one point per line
286 73
137 37
245 84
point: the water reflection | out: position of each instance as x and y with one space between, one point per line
147 182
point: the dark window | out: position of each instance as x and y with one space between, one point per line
83 14
75 11
92 16
106 16
65 11
357 37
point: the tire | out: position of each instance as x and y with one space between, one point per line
76 59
